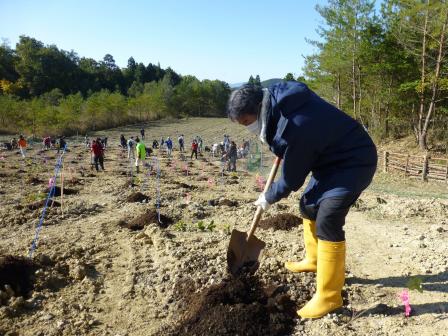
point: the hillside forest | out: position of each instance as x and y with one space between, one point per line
384 65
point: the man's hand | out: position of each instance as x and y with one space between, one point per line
261 201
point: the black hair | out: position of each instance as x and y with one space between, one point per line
245 100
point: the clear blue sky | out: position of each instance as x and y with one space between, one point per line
214 39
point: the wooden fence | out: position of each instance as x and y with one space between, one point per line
415 166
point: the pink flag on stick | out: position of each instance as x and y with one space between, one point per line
404 296
50 182
210 182
260 181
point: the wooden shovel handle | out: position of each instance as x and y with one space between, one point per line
259 211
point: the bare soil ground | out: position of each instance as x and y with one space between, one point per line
105 265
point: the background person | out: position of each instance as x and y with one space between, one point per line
169 146
194 149
22 146
140 154
14 144
98 154
181 143
231 157
131 144
123 142
62 143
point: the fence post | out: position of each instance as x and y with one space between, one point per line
425 167
446 174
385 161
407 165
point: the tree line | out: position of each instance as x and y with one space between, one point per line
46 90
388 69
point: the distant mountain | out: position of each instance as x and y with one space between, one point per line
271 81
236 85
264 83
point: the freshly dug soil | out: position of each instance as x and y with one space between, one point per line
186 186
74 181
280 222
237 307
228 202
18 273
40 204
150 216
137 197
33 180
67 191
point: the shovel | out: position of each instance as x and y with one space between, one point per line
245 248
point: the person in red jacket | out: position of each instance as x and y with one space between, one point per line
194 149
98 154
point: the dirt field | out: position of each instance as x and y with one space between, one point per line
104 265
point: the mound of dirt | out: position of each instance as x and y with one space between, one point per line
186 186
137 197
148 217
40 204
237 307
67 191
74 181
228 202
281 222
17 272
33 180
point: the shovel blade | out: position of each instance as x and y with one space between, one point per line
242 253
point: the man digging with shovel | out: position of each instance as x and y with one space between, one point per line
311 135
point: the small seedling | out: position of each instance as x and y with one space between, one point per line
35 197
180 226
227 228
415 283
211 226
201 226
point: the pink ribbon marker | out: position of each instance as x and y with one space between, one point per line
50 182
404 296
260 180
210 182
2 158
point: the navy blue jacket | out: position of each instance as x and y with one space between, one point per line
311 135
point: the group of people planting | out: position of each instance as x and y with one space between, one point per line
137 150
48 142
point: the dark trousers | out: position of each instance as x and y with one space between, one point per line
195 153
98 160
329 215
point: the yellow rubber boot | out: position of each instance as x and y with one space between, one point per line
329 280
309 263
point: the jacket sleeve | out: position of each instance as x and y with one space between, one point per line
297 163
